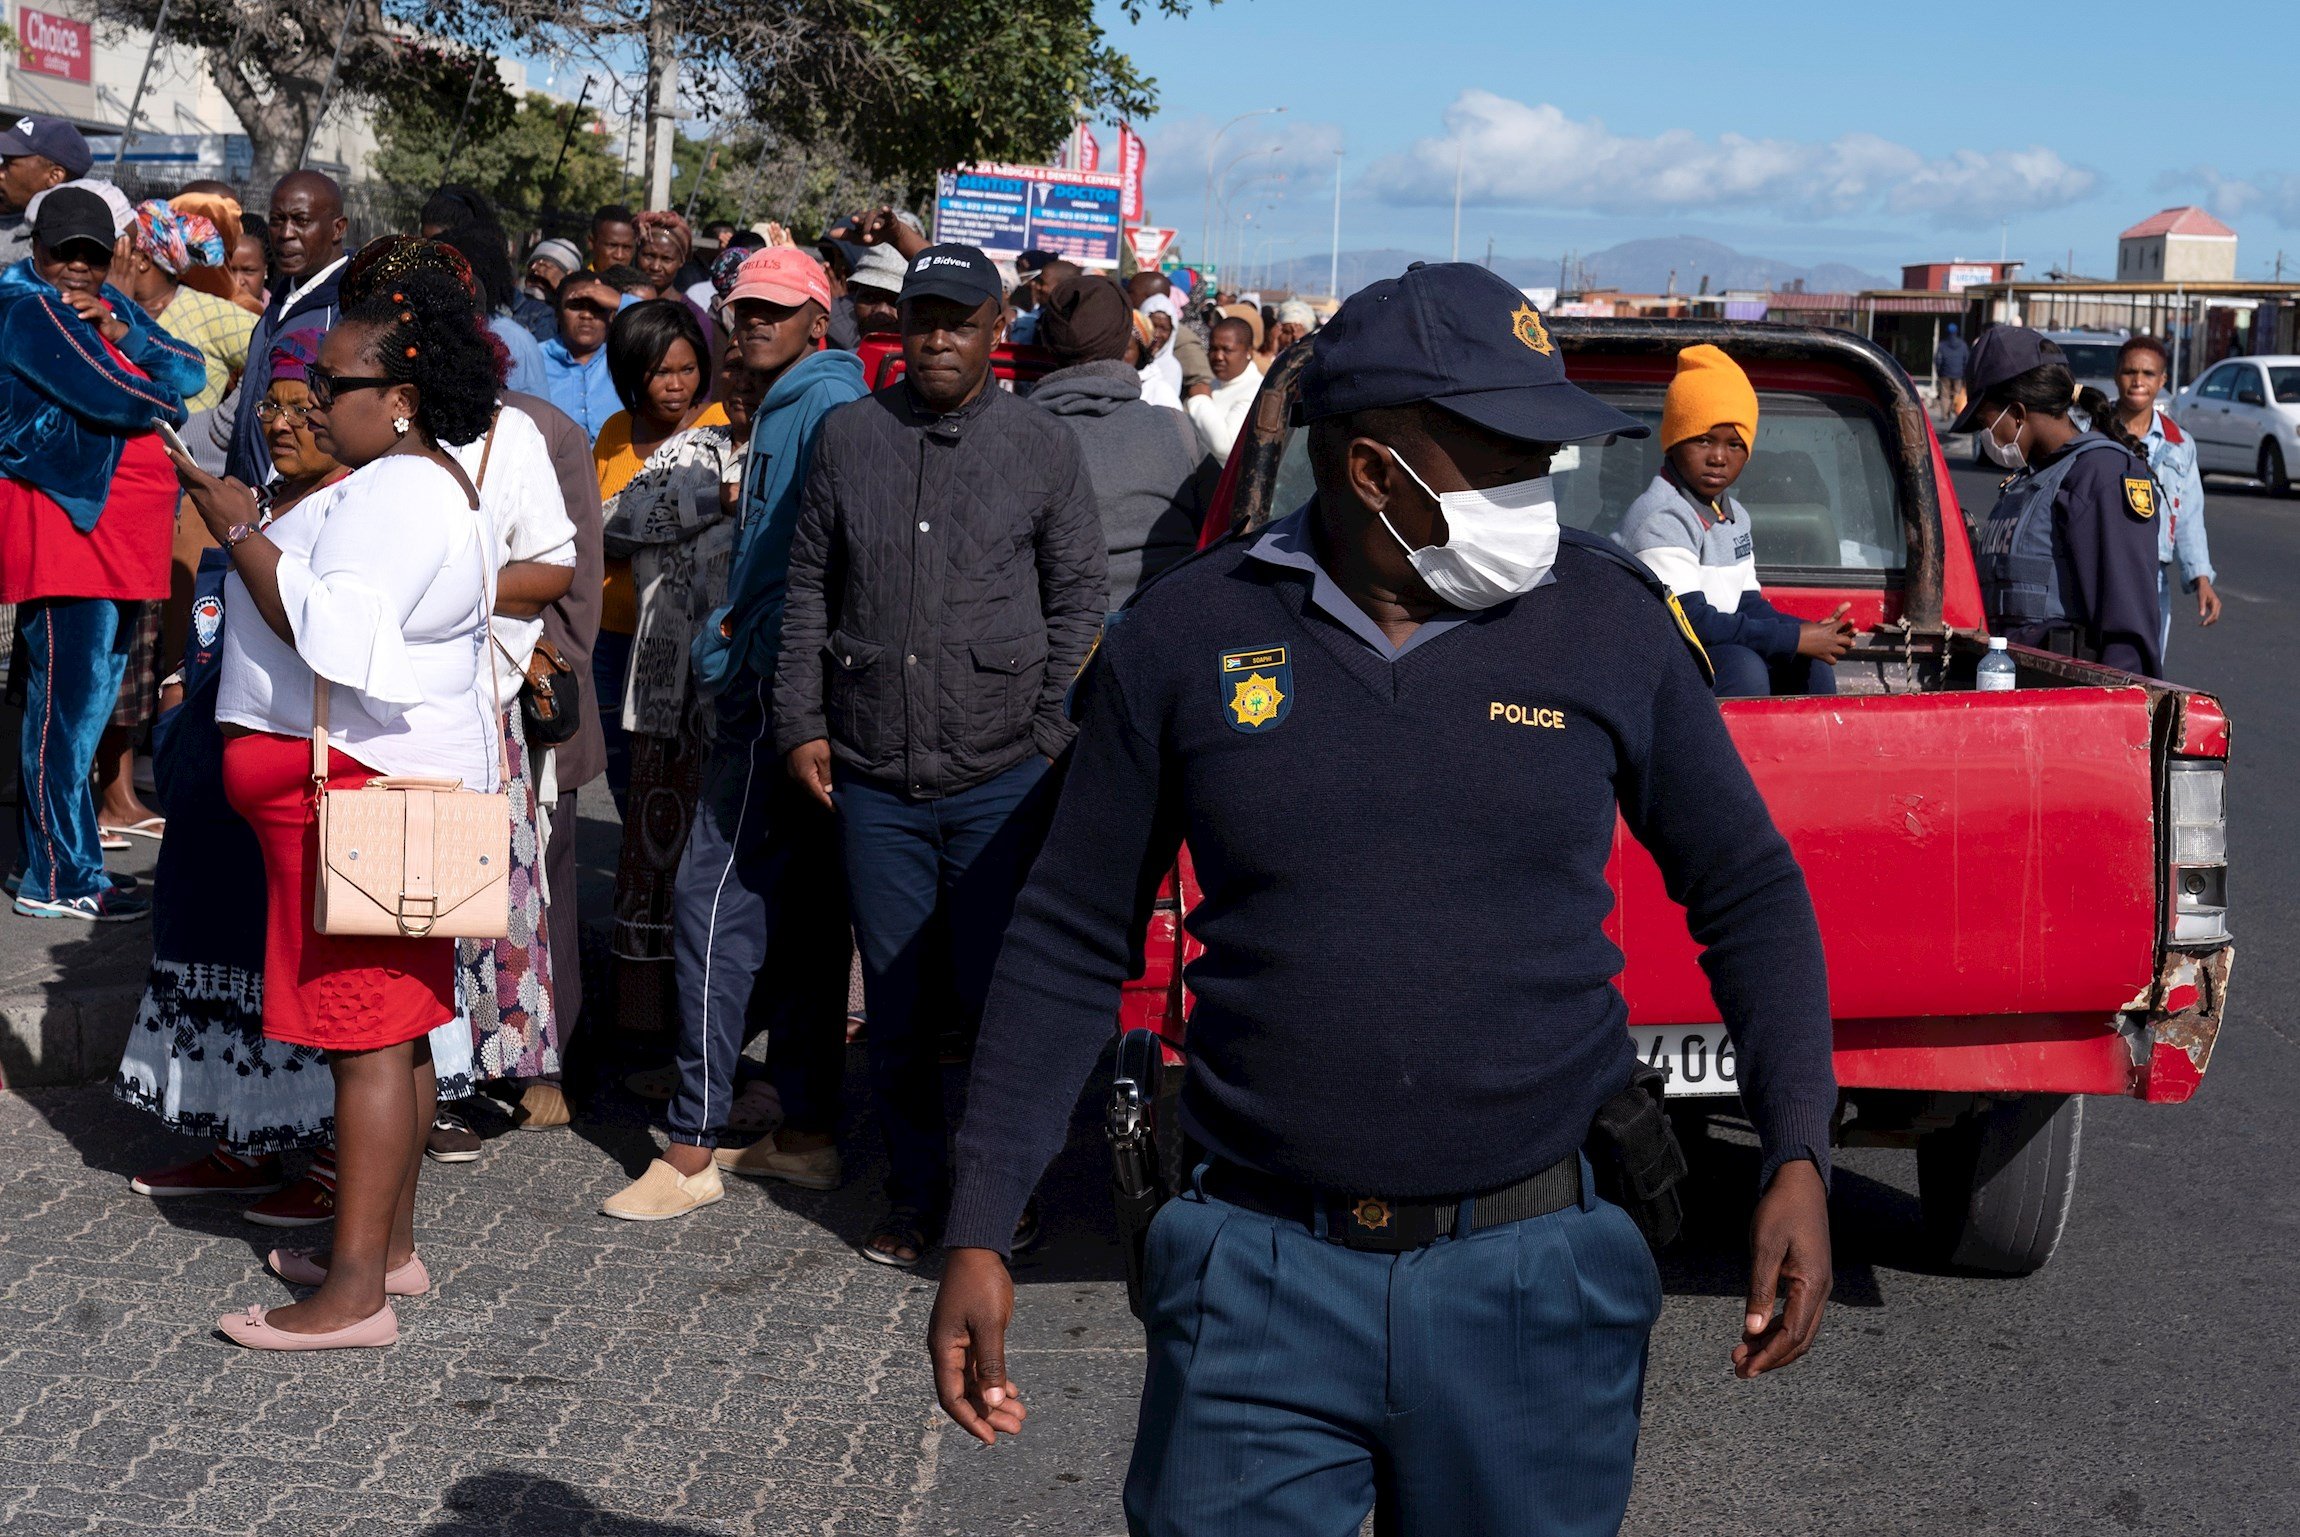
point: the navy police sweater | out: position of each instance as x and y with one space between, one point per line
1406 988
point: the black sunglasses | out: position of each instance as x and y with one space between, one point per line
325 387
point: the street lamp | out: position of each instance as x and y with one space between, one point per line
1222 199
1206 220
1222 207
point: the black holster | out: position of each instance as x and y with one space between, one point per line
1634 1153
1138 1126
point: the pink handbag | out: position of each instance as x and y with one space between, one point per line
416 858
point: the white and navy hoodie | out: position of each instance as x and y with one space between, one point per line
1708 556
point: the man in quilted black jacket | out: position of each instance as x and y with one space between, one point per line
947 583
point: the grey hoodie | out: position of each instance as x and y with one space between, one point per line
1151 478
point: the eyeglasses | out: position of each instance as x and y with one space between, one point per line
325 387
272 411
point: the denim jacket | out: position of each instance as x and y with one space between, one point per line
2172 455
66 404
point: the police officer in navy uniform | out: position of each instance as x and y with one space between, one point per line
1394 729
2068 555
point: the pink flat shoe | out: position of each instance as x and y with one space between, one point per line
250 1329
298 1267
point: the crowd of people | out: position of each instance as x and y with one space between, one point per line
800 547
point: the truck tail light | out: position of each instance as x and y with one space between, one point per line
2198 854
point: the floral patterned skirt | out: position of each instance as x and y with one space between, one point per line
505 984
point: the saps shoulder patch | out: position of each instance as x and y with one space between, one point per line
2140 496
1606 549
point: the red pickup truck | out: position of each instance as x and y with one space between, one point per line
2022 895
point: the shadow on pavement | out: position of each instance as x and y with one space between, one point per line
507 1504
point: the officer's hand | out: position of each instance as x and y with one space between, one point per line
966 1341
1789 1248
2207 602
1829 639
810 765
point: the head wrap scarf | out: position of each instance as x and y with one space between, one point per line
1085 320
176 241
295 354
387 258
725 266
662 221
1162 373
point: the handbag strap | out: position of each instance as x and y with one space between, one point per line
319 685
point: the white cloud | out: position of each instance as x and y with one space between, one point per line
1262 158
2232 197
1533 154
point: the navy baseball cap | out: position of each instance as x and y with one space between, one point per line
70 216
1455 335
2003 352
51 137
957 272
1032 262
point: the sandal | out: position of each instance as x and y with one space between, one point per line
757 1110
903 1227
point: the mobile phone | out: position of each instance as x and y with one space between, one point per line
169 437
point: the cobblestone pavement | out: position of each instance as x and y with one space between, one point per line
739 1371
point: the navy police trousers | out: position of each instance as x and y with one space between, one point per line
1486 1384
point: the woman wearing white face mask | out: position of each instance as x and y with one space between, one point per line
2067 555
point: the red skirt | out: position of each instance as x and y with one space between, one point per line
336 992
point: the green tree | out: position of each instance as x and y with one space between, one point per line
506 148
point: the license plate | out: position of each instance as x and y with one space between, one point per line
1697 1059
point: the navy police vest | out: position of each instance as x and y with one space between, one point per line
2020 576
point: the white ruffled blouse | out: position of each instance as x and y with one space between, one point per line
386 577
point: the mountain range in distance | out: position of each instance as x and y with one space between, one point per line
1634 266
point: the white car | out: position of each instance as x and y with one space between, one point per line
2245 417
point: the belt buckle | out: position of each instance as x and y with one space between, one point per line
1382 1226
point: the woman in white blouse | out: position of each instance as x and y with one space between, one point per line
381 584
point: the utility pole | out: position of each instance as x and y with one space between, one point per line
136 102
1460 154
327 88
1334 266
662 104
1489 253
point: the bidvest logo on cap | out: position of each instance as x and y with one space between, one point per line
1526 325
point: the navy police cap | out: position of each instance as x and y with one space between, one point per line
1455 335
2002 354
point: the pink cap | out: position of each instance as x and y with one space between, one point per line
781 275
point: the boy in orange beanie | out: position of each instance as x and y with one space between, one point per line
1698 539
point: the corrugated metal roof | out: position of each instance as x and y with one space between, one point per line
2189 220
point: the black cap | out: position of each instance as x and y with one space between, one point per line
53 139
2003 352
957 272
1032 262
70 215
1455 335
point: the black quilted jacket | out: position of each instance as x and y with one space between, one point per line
947 584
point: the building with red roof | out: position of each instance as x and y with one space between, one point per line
2179 245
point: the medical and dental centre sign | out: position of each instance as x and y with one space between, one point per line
1006 210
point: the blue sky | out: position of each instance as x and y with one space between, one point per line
1845 131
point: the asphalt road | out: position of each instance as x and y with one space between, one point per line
2141 1383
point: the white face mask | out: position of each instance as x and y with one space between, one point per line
2006 455
1500 541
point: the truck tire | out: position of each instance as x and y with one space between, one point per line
2272 474
1996 1186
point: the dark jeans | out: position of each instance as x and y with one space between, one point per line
610 664
961 857
77 651
563 919
761 869
1743 674
1487 1383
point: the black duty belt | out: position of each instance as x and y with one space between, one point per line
1388 1226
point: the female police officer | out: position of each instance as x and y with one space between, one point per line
2068 557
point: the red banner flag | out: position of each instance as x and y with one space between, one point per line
1089 150
1131 156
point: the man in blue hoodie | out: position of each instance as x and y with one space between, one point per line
763 858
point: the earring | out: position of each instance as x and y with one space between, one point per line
399 425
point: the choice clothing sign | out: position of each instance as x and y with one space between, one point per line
1006 210
54 45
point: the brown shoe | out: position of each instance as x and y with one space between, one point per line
815 1169
662 1193
542 1108
306 1203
